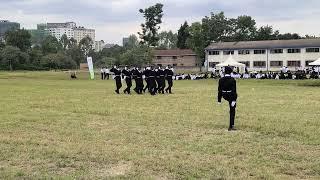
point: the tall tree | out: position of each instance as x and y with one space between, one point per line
50 45
167 40
86 45
244 28
13 58
20 38
153 19
197 40
65 42
183 35
132 42
266 33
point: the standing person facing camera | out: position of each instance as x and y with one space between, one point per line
228 90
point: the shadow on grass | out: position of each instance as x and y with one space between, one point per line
314 83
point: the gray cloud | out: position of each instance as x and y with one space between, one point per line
117 18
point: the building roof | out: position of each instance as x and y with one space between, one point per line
271 44
174 52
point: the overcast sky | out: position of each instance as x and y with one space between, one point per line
114 19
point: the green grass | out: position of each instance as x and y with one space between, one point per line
53 127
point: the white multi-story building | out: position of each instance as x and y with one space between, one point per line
265 55
58 32
68 28
99 45
81 32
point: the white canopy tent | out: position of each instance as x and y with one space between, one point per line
316 63
233 63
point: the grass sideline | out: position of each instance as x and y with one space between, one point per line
54 127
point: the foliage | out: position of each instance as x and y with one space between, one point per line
183 35
167 40
58 61
12 58
51 45
20 38
132 42
153 18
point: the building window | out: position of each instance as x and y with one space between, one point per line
174 57
294 63
260 64
294 50
261 51
247 63
228 52
276 63
213 64
214 53
244 52
276 51
312 50
308 62
159 57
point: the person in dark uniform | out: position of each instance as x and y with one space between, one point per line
134 77
146 73
162 80
127 77
169 75
228 90
152 82
158 86
117 74
139 81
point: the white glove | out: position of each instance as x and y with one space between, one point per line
233 103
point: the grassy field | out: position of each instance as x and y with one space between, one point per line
54 127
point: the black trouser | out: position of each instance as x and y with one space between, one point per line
139 87
129 85
170 84
107 76
232 114
118 83
159 85
163 85
152 85
102 76
148 85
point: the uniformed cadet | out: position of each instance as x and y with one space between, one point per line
162 80
127 77
228 90
117 74
158 86
152 82
146 77
134 77
139 81
169 74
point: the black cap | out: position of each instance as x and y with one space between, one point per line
228 70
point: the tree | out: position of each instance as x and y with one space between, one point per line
183 35
153 18
288 36
137 56
35 56
13 58
244 28
197 40
167 40
85 45
132 42
65 42
20 38
266 33
50 45
58 61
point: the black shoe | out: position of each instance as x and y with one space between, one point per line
117 91
232 129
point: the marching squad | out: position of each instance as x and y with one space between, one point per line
158 80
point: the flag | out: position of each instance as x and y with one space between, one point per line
90 66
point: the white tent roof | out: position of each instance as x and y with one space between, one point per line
315 63
230 62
